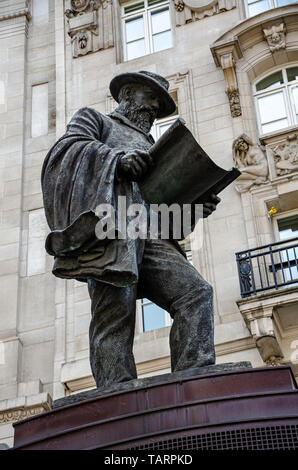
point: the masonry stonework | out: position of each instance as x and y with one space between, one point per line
217 55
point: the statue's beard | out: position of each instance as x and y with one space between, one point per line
142 116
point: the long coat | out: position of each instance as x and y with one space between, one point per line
78 174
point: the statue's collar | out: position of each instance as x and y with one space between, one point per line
127 122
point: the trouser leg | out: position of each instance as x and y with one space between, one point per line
170 281
111 333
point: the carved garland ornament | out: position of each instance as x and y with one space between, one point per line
193 10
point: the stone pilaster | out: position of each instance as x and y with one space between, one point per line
14 19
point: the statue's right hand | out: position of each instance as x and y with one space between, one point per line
134 164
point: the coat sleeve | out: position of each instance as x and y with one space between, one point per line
79 173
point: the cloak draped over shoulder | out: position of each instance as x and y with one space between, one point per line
78 174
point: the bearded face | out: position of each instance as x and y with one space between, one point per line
140 106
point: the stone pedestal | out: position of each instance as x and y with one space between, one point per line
221 408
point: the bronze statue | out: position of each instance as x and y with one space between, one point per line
99 158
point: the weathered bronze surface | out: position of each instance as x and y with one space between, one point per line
98 159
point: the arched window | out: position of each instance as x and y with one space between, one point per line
254 7
277 100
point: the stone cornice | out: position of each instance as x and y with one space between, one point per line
16 14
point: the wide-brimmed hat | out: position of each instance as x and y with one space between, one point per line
159 84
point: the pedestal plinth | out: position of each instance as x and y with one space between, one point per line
235 409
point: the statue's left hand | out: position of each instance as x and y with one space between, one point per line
210 205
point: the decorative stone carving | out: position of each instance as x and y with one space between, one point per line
12 415
228 65
286 156
260 322
274 361
275 37
193 10
90 25
225 56
250 159
234 100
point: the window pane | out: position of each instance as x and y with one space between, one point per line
155 2
134 7
272 81
281 3
257 7
288 228
162 41
136 49
134 29
272 107
162 128
292 74
153 317
274 126
295 99
160 21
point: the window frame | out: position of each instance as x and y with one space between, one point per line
146 13
276 232
272 4
285 88
282 215
167 318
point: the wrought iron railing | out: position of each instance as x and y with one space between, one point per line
268 267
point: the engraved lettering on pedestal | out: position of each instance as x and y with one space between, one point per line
275 37
250 159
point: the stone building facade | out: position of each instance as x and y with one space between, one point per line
233 71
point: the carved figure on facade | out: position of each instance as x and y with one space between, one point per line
286 156
275 37
90 25
250 159
234 100
193 10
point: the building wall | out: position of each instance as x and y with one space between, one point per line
44 320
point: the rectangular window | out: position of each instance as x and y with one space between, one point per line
40 105
146 28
